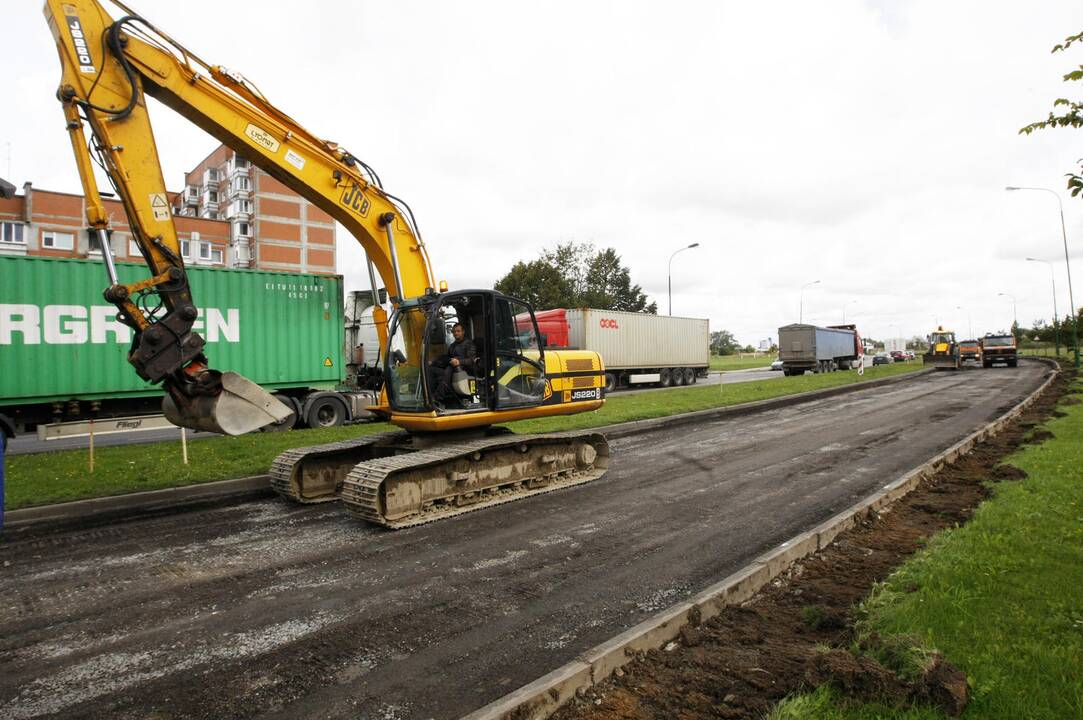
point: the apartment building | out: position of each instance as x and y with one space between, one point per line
230 214
53 224
270 226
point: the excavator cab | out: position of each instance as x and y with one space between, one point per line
509 371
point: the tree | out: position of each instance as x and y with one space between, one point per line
539 283
723 343
609 286
576 275
572 260
1065 113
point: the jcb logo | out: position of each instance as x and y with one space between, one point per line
355 200
608 324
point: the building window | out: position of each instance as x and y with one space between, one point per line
216 257
133 249
57 240
212 196
239 162
193 192
244 229
12 233
204 251
212 173
241 183
186 249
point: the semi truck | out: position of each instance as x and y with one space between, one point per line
636 348
819 349
63 354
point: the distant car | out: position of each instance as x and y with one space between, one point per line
910 355
881 359
776 365
898 355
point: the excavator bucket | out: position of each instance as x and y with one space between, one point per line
940 361
240 406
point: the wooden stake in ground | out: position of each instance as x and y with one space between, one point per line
184 445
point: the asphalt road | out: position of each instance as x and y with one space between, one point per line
269 610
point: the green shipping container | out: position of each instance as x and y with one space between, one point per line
60 340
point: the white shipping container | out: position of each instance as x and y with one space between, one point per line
627 340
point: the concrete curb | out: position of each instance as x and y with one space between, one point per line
636 427
150 503
544 696
189 497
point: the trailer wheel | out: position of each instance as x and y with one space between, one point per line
610 382
678 376
290 420
665 379
689 376
325 411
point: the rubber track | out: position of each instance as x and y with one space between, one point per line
361 488
282 468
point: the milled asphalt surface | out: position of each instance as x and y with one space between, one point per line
270 610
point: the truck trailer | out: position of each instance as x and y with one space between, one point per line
636 348
64 353
819 349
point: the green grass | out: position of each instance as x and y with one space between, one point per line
62 476
1001 597
733 362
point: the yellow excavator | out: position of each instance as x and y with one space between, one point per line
451 457
943 351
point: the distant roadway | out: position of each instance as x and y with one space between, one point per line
29 443
271 610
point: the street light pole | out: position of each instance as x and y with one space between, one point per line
801 308
1067 266
969 325
1056 316
1015 311
670 273
848 302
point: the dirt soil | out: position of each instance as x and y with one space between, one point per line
742 662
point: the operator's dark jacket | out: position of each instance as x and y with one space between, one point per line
463 351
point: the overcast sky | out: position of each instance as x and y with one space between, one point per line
862 144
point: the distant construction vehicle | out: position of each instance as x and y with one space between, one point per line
999 348
943 351
819 349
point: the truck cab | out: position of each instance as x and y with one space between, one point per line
999 348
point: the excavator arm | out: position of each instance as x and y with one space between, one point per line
109 66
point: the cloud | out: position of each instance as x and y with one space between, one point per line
866 145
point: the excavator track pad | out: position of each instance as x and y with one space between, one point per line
389 481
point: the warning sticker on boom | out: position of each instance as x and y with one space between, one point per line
159 206
294 159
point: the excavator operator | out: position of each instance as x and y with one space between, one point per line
460 354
